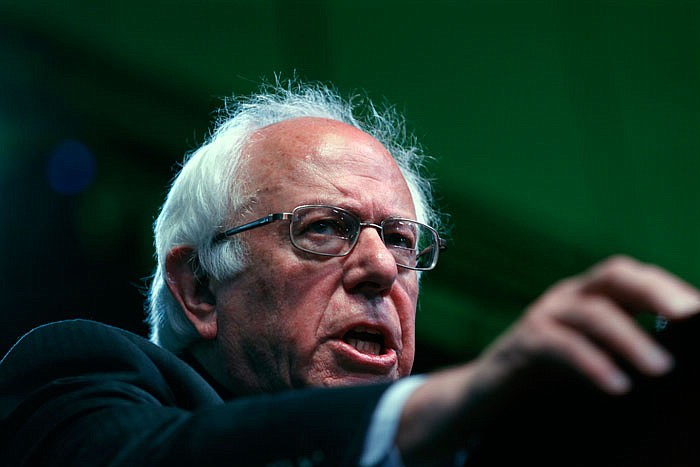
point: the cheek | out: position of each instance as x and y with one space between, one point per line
405 298
299 294
251 305
309 303
406 302
408 352
247 317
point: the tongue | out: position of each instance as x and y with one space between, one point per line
368 347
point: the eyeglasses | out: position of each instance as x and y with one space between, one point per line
331 231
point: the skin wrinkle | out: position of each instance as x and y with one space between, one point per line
317 172
300 301
250 354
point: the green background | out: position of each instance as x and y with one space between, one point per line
562 132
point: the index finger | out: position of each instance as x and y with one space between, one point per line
643 287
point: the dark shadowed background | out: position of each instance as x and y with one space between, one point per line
562 132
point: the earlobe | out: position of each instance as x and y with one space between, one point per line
191 290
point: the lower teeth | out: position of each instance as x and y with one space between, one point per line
367 347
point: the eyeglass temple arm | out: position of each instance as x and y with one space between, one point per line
250 225
442 245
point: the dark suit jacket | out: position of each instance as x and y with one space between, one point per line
84 393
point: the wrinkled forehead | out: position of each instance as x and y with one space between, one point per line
320 153
300 139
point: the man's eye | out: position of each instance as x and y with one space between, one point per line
327 227
399 240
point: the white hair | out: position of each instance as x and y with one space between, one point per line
205 193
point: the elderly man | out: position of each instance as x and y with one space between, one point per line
290 249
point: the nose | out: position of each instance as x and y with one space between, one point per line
370 268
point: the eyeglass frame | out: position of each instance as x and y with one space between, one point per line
278 216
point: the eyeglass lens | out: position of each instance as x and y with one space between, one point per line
330 231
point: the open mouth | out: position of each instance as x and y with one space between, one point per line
366 340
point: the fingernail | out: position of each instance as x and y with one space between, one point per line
686 305
659 362
619 383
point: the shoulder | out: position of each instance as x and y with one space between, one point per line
75 341
75 327
95 352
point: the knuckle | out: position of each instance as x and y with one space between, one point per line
615 266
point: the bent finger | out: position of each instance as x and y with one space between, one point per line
643 287
607 325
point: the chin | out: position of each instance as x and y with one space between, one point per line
358 379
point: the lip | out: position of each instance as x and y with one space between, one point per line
356 361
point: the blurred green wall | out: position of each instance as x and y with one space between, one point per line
562 132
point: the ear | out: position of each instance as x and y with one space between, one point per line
191 290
